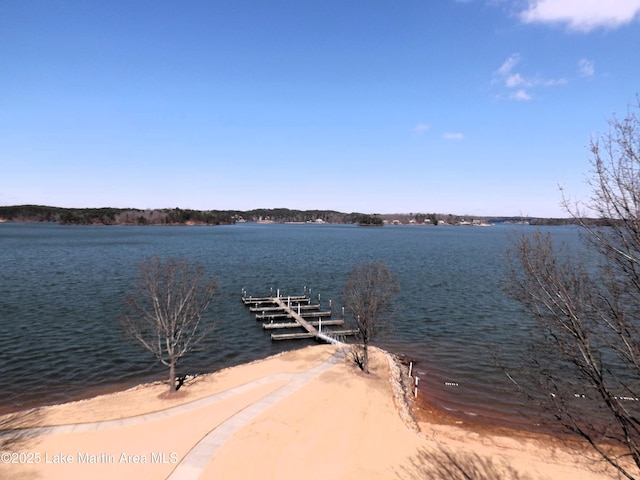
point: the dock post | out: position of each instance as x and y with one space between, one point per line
343 313
278 293
415 392
320 324
410 367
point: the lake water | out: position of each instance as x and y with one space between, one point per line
62 291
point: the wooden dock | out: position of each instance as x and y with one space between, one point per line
279 308
314 323
306 316
264 317
268 300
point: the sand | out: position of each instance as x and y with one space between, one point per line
305 414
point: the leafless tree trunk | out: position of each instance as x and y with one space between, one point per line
588 306
367 295
166 310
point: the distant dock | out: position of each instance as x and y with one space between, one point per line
277 313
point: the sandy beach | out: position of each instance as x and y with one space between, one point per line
308 413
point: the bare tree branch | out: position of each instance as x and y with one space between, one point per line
588 307
166 310
367 295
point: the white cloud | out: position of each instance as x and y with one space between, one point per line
587 68
453 136
421 127
582 15
553 82
508 65
514 80
518 85
520 95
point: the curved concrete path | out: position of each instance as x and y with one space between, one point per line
194 462
197 459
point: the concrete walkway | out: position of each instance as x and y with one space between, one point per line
195 461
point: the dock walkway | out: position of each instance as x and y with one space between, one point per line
301 310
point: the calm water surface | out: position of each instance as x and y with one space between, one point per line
62 291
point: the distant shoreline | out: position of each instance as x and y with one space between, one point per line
177 216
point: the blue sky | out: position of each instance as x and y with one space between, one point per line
477 107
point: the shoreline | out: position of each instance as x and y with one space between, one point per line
417 408
418 411
383 433
413 410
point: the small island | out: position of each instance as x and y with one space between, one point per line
370 221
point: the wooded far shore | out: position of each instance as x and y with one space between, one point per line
178 216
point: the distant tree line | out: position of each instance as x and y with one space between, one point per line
114 216
178 216
284 215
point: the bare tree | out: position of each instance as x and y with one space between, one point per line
166 310
367 295
588 305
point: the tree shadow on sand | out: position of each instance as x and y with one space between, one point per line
17 428
442 463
